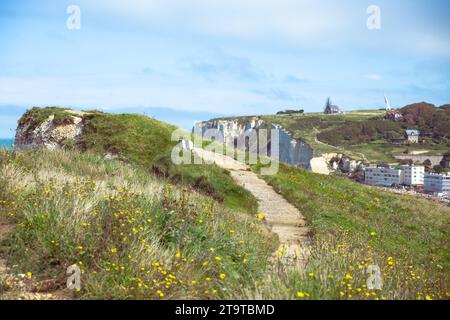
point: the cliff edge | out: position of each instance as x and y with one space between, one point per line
50 128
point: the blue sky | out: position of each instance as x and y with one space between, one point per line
187 60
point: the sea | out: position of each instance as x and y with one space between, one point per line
6 143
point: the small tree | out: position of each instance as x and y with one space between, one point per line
407 162
428 165
438 169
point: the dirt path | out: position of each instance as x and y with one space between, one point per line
339 149
282 218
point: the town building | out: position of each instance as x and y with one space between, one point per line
387 177
437 183
412 136
413 175
393 115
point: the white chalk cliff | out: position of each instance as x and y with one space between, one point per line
48 134
291 151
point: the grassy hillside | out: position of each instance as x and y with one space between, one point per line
133 235
308 126
355 226
136 236
365 134
137 230
371 137
35 116
136 138
209 180
146 142
132 137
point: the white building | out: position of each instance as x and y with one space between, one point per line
383 176
405 175
413 175
437 183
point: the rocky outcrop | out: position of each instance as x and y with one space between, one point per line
329 163
49 134
342 164
291 151
320 165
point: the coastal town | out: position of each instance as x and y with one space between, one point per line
419 178
427 178
411 178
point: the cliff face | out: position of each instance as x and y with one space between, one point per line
292 151
51 132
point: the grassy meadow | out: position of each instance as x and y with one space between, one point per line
355 226
140 227
137 236
321 132
134 236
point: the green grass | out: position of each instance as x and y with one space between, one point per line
135 138
146 142
35 116
129 229
382 151
210 180
307 126
223 188
354 225
134 236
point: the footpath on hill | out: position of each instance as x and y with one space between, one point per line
282 218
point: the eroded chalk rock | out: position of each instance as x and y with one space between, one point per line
49 134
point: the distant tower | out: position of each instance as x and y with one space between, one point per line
386 103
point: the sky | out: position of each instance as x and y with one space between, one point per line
187 60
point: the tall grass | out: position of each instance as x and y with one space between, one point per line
355 226
143 143
136 236
133 236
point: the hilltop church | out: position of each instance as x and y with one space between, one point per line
331 109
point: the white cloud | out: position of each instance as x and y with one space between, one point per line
319 24
284 19
374 77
